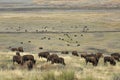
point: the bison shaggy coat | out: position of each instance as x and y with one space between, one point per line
75 53
59 60
43 54
14 49
30 64
92 60
110 60
20 49
17 59
116 56
52 56
64 52
27 58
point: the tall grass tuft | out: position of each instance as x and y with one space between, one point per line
66 75
116 76
49 76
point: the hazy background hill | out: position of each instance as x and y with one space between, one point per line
59 4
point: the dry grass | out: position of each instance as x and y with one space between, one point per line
66 21
75 68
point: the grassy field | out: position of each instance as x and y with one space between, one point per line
76 69
60 21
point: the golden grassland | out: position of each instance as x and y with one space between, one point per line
56 21
61 21
75 66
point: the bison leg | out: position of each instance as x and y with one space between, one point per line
52 62
86 62
118 60
104 62
13 62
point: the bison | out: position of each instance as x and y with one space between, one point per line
18 53
52 56
30 64
116 56
43 54
109 59
64 52
92 60
17 59
75 53
83 55
99 55
87 55
27 58
59 60
14 49
20 49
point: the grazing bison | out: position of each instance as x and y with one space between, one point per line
116 56
20 49
75 53
87 55
27 58
30 64
14 49
64 52
83 55
92 60
99 55
52 56
110 60
59 60
43 54
17 59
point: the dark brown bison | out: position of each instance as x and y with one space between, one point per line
17 59
14 49
84 55
109 59
116 56
20 49
30 64
64 52
43 54
27 58
99 55
92 60
75 53
18 53
52 56
59 60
